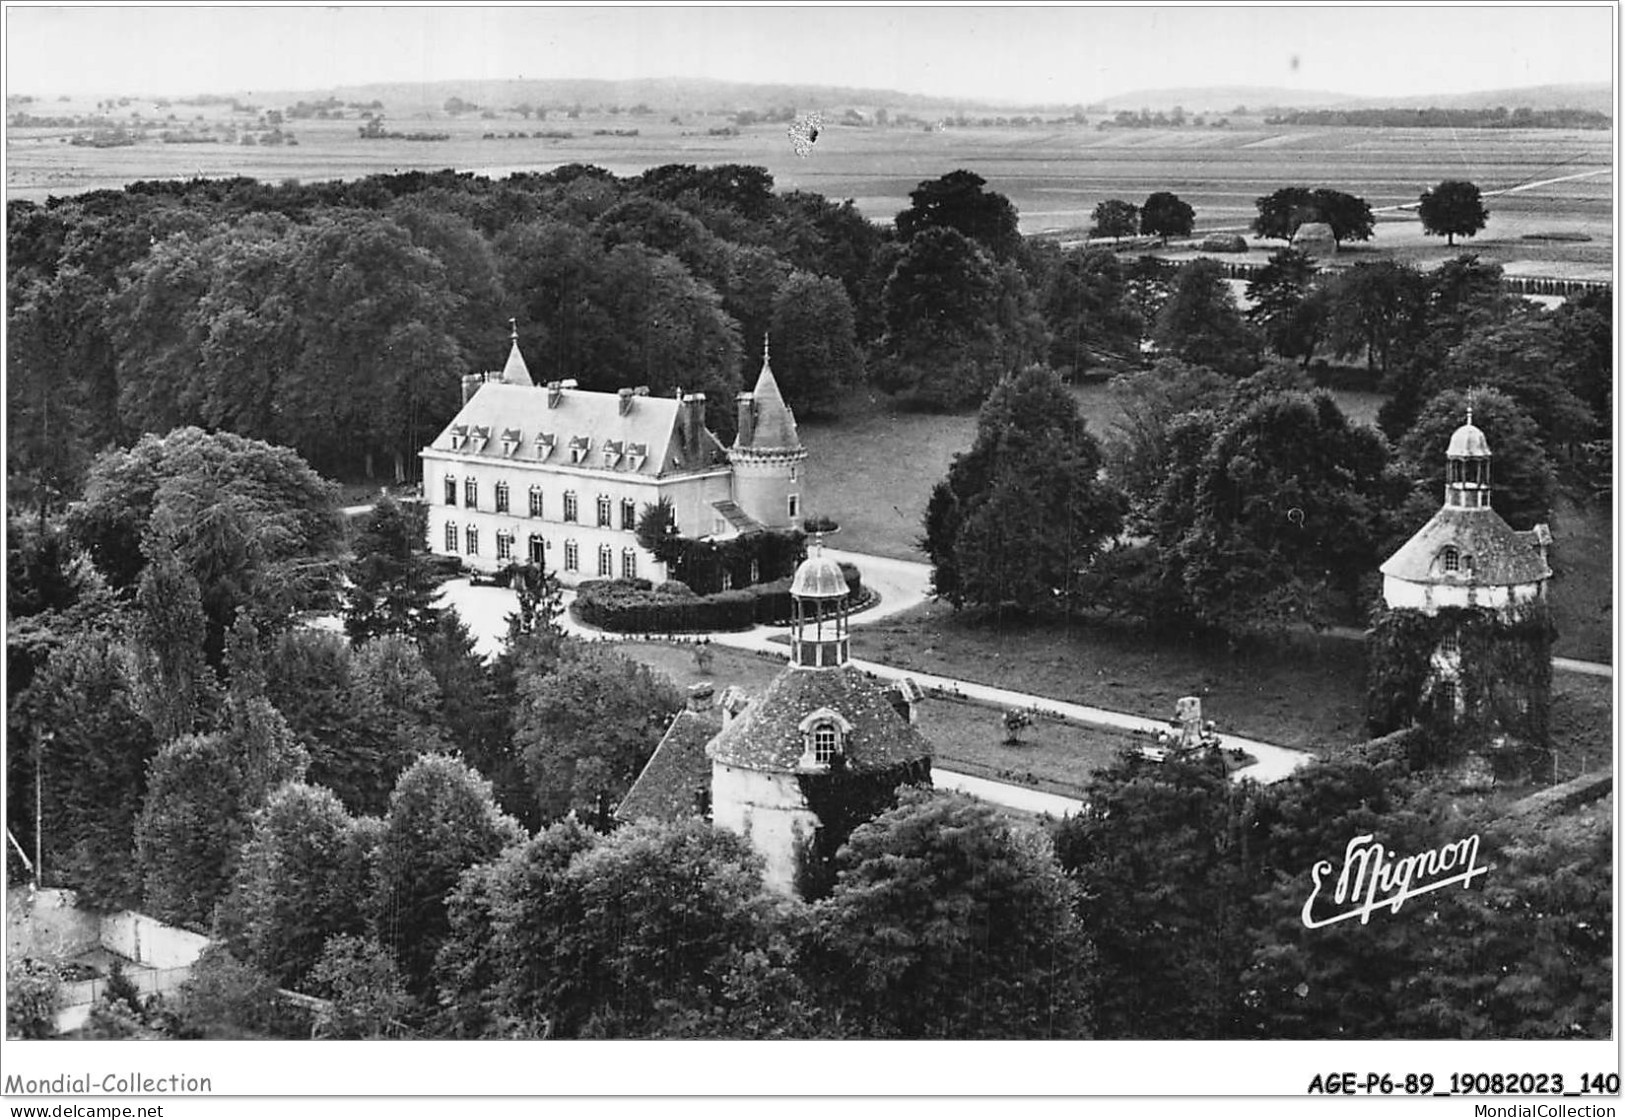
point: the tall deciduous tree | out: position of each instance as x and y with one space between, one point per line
1023 513
1454 208
814 342
82 716
942 304
1375 307
190 829
1201 324
1115 219
1286 514
1287 306
441 821
251 523
586 729
1086 305
303 877
1166 215
946 922
1160 858
958 201
1147 403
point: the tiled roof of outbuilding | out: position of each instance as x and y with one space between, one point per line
678 773
767 735
1501 556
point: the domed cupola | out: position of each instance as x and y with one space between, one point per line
1467 478
818 636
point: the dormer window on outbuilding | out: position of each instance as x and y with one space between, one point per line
1452 559
825 734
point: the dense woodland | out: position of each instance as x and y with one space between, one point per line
386 820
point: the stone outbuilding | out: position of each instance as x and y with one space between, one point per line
823 749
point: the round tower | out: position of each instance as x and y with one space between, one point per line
1473 576
767 455
788 771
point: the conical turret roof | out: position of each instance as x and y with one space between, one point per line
775 428
516 372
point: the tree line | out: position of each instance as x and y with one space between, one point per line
1228 493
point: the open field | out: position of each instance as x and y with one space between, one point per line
1053 756
1055 175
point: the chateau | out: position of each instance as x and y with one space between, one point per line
552 474
795 770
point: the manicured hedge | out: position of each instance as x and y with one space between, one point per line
638 607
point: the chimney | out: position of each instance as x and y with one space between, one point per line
568 383
626 400
902 697
747 418
555 393
471 385
732 703
700 695
691 418
641 391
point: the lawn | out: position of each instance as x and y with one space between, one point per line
1053 756
1582 724
1308 694
1582 588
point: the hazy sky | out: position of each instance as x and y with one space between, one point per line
1069 53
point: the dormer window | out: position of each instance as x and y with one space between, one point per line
459 436
510 442
613 452
826 743
636 453
544 444
480 436
579 447
1452 559
825 734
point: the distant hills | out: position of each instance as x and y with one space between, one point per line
1594 96
668 95
690 95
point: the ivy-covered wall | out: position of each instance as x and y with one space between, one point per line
843 799
1504 683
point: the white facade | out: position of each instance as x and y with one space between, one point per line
556 475
767 810
1431 598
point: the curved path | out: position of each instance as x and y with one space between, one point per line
485 609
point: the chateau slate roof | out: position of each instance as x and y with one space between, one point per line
677 774
580 415
775 424
767 736
1501 556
